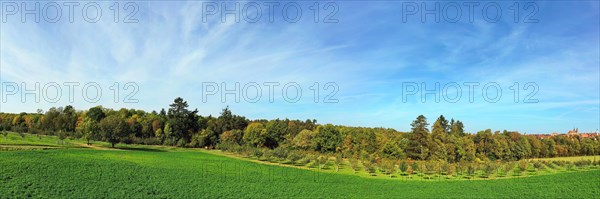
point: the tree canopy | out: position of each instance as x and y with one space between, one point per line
178 126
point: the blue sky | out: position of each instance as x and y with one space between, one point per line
368 54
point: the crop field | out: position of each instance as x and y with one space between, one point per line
162 172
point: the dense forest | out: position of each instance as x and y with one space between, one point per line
179 126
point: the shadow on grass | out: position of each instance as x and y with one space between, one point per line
140 149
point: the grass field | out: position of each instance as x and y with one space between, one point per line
572 159
164 172
14 140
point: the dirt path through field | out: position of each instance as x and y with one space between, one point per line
95 147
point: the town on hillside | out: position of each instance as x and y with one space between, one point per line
571 133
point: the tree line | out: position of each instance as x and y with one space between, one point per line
179 126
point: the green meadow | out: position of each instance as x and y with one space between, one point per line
54 169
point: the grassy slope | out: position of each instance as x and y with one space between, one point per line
347 170
15 140
95 173
572 159
153 171
33 142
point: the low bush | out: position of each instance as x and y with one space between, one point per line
295 156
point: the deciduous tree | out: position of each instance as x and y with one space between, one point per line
328 138
113 129
255 134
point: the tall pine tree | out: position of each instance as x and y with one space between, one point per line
418 145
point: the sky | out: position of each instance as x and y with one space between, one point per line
371 62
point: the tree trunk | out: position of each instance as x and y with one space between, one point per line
113 145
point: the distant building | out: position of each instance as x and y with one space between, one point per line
590 135
572 133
